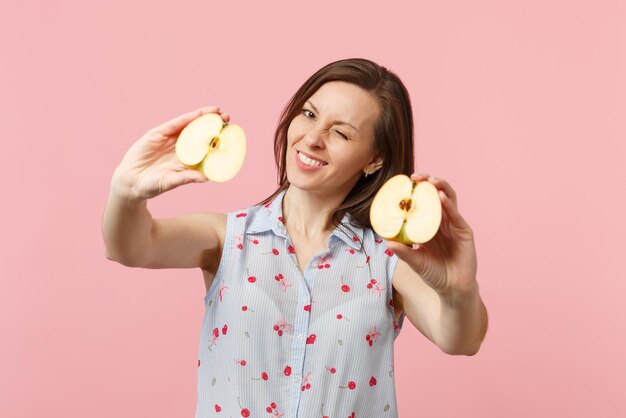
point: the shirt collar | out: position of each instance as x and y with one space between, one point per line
270 217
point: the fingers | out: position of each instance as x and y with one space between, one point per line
419 176
176 179
441 184
400 249
447 196
174 126
452 212
414 257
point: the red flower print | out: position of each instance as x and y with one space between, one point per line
351 385
251 279
273 411
242 215
222 290
308 307
264 376
282 326
321 262
374 285
287 370
305 382
344 287
214 338
372 336
239 241
282 282
388 252
373 381
245 413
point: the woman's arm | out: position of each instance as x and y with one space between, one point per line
148 169
133 238
436 282
126 228
457 323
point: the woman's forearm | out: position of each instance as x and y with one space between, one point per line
126 227
463 323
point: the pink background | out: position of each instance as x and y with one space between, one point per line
520 105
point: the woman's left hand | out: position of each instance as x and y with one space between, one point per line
447 262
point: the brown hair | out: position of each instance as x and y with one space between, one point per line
393 131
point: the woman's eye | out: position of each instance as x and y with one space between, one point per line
307 113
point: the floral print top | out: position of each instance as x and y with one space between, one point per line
279 343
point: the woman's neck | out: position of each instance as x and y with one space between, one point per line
309 214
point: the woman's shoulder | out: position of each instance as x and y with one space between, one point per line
238 221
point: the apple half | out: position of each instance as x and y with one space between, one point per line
213 147
406 211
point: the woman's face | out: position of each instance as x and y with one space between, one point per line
335 128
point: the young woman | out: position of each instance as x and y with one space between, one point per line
304 300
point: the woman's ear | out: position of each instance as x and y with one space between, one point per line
376 163
373 166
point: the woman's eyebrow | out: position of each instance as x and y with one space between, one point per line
338 122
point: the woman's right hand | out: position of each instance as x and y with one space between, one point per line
150 166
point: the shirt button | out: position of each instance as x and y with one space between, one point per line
300 336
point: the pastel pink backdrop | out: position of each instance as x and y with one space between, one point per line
519 105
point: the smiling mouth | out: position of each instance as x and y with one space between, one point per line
310 161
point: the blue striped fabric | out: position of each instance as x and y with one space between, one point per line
279 343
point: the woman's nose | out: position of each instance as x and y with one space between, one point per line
315 138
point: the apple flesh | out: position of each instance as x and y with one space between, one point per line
213 147
406 211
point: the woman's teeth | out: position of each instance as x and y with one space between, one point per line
308 161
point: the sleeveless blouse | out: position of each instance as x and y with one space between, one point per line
276 342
